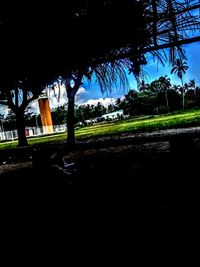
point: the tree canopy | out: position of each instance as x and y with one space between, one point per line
51 38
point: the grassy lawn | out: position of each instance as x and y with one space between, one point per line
143 124
138 124
36 140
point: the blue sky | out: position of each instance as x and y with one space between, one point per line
154 70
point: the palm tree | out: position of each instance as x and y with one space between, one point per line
161 85
180 68
164 85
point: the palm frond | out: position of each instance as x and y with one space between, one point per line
111 76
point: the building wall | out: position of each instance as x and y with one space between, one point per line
45 114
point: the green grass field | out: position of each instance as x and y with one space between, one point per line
134 125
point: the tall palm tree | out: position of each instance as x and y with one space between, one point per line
180 68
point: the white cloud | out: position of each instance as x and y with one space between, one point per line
80 96
3 110
81 91
34 106
103 101
58 97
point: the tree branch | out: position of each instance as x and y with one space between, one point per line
28 101
187 9
129 54
171 44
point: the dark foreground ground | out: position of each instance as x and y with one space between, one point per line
126 181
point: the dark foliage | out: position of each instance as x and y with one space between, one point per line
51 38
59 36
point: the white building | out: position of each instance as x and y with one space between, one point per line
113 115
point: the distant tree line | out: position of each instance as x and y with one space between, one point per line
59 115
158 97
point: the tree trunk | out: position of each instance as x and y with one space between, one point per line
22 140
70 120
71 92
183 100
167 103
183 95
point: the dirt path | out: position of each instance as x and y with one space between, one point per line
7 167
149 142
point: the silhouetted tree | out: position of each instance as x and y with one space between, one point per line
162 84
17 96
180 68
99 110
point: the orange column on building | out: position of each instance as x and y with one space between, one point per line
45 114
